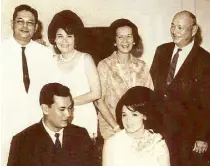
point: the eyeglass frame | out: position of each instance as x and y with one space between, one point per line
21 22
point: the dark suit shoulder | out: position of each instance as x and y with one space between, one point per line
79 137
165 45
75 130
204 53
202 58
31 130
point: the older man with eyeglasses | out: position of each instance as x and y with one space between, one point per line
26 67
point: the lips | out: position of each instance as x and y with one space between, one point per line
65 46
24 31
129 125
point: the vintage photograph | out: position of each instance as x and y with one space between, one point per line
105 83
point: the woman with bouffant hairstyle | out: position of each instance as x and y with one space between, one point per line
76 69
139 142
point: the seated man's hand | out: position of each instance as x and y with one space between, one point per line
200 146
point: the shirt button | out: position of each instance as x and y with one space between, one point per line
165 96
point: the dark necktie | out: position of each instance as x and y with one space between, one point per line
172 67
56 157
57 141
26 79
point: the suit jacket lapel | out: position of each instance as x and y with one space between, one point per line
44 146
66 140
166 61
187 66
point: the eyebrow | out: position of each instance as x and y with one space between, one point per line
20 18
62 107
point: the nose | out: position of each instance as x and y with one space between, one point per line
128 119
67 113
65 39
24 24
174 30
125 39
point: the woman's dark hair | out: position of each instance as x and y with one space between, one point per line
140 99
125 22
68 21
38 34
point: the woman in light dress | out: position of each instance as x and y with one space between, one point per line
118 73
139 143
76 69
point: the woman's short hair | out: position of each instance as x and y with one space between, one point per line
140 99
69 21
121 23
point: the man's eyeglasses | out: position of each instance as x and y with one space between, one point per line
22 23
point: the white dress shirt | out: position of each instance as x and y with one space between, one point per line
52 133
20 109
182 55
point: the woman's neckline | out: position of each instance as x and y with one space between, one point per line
124 62
144 132
68 59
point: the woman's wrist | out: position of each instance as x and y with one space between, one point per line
116 128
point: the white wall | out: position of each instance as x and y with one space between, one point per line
153 17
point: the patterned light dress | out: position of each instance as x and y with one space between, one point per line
127 151
116 79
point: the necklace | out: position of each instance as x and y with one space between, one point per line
68 59
141 142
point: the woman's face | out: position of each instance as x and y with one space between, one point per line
132 120
124 39
64 42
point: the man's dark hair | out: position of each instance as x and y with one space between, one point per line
48 92
27 8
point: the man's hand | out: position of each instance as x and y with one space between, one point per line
200 146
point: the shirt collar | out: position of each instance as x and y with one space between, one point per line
52 133
187 48
16 44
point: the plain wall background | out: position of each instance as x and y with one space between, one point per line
152 17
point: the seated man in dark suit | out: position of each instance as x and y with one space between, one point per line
52 141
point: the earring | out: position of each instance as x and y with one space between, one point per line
134 43
115 44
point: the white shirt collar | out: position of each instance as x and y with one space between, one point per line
52 133
185 49
19 45
182 55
